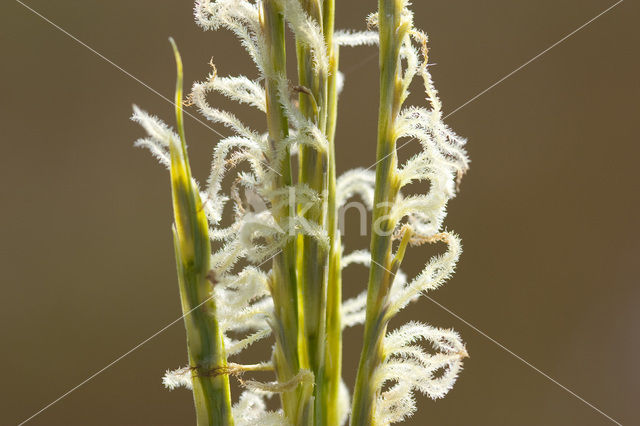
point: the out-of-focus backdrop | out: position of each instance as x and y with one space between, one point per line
548 213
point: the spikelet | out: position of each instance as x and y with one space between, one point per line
180 377
408 367
251 410
354 309
308 32
240 17
416 219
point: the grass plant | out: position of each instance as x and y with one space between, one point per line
276 271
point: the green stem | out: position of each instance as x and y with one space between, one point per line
392 33
313 258
333 350
207 358
284 283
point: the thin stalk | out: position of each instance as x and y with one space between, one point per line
313 259
333 349
284 283
207 358
392 33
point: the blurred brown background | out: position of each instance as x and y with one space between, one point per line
548 213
